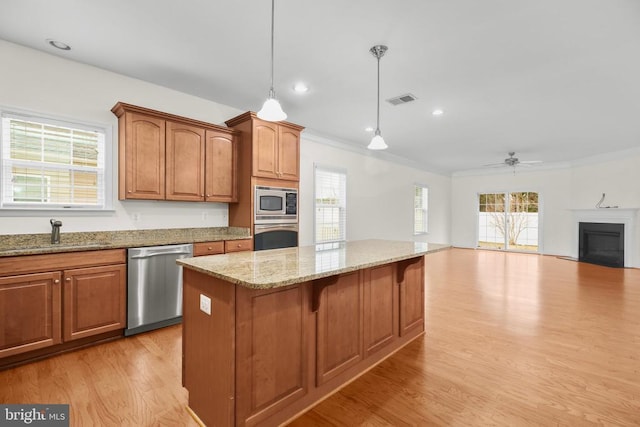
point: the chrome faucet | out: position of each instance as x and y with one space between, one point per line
55 231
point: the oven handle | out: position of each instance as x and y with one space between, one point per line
266 228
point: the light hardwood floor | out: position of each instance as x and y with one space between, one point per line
512 339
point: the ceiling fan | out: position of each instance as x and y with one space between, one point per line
513 162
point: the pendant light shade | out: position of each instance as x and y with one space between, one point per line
271 110
377 142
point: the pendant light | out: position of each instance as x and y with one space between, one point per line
377 142
271 110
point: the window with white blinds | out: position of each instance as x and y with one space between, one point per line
330 205
420 210
49 164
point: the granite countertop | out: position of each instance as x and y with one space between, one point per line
283 267
31 244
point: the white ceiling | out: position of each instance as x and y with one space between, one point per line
552 80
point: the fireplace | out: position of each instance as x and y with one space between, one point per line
601 243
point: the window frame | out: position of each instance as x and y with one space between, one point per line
425 210
342 217
106 204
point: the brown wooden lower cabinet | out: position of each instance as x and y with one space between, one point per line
95 301
411 295
263 356
380 308
49 311
340 317
271 350
30 312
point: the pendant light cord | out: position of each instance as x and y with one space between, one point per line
378 114
271 91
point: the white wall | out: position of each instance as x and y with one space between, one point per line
561 190
379 195
43 83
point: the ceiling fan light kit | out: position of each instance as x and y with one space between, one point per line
377 142
271 110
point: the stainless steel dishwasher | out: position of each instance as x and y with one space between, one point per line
154 287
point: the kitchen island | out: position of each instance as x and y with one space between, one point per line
268 334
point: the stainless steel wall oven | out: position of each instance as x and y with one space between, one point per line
275 218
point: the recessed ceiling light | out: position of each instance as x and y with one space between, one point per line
368 129
58 44
437 112
300 87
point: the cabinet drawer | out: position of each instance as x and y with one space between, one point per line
238 245
208 248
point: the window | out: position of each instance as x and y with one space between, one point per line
330 205
508 221
50 164
420 210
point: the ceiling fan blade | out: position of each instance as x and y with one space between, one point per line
531 162
495 165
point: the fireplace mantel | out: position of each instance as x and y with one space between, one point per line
626 216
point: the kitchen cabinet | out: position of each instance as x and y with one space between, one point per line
268 354
53 300
411 283
273 345
31 312
340 325
142 157
221 247
95 301
221 176
273 147
167 157
238 245
184 162
380 307
208 248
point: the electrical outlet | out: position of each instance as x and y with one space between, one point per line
205 304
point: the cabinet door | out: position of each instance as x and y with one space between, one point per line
94 301
29 312
271 350
340 317
380 308
221 154
288 154
265 149
185 162
144 157
411 284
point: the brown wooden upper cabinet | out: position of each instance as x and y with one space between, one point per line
274 146
168 157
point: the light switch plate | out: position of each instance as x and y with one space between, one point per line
205 304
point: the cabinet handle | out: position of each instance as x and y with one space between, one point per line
209 248
129 191
68 279
208 195
56 281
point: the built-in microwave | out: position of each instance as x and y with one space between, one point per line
275 205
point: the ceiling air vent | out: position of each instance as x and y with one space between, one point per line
402 99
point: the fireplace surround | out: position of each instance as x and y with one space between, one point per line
601 243
626 216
